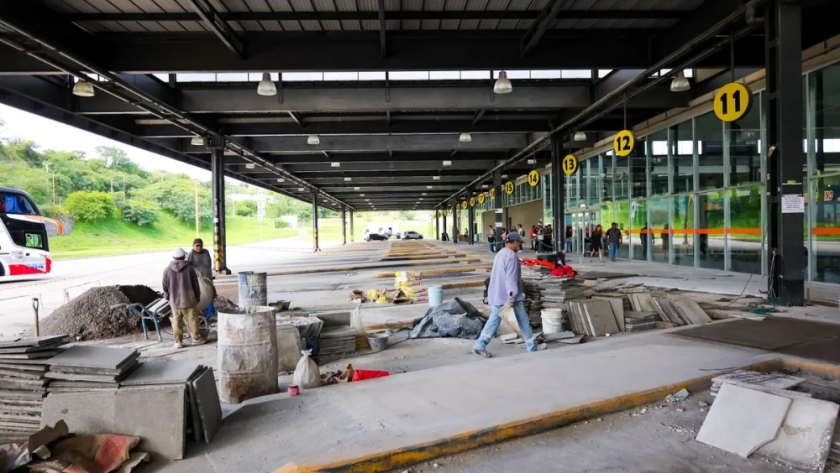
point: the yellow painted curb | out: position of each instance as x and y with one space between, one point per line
437 272
411 455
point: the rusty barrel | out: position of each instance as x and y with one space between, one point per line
247 353
253 291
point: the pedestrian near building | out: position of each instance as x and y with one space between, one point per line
200 259
491 238
505 291
569 236
614 238
181 289
596 244
533 237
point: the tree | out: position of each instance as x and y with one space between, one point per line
246 208
90 206
139 211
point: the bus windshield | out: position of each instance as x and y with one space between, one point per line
11 203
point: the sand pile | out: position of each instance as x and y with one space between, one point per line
99 313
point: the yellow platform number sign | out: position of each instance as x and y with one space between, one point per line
570 164
623 143
464 205
481 198
493 193
472 201
509 187
533 178
732 101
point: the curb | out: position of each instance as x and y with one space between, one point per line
404 457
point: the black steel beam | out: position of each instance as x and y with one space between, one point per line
218 26
543 21
383 46
611 14
386 167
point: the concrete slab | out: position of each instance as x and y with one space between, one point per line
805 437
415 408
288 347
742 420
162 372
691 310
209 408
94 357
600 317
617 305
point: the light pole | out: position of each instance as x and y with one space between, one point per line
47 166
197 215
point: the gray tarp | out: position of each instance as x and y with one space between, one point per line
455 318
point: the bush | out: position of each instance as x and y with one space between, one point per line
90 206
246 208
278 224
139 211
53 211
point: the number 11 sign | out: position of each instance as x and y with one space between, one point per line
732 101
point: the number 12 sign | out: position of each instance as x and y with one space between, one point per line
623 143
732 101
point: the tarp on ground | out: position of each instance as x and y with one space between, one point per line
455 318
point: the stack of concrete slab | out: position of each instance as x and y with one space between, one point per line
767 382
162 402
691 311
543 291
592 317
785 427
668 312
85 368
23 363
638 321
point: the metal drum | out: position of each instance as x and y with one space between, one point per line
247 354
252 289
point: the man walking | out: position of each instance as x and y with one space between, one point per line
181 289
491 238
505 291
614 237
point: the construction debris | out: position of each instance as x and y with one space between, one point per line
543 291
756 380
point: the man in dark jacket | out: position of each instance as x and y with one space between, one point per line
181 289
614 238
200 259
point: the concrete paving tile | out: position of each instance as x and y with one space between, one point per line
162 372
742 420
691 310
805 437
209 407
94 357
600 317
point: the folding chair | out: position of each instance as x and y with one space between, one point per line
158 309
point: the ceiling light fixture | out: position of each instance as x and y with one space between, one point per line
680 83
197 140
250 165
430 187
465 138
447 163
356 188
301 189
421 198
424 194
532 161
266 87
580 136
504 176
313 140
484 186
83 88
503 85
436 178
280 179
348 179
335 165
361 195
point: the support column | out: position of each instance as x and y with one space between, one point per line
455 230
444 227
785 160
344 224
352 232
217 168
497 202
471 219
558 193
315 221
437 225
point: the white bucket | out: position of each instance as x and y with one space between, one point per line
552 320
435 296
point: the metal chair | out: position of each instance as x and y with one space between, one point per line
158 309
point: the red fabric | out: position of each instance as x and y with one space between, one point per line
564 272
538 262
360 375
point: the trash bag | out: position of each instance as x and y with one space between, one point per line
455 318
307 375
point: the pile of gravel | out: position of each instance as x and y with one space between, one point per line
223 304
99 313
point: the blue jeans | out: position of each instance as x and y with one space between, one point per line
493 324
492 246
613 251
569 246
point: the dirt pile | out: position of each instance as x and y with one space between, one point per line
99 313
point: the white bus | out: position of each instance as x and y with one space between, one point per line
24 249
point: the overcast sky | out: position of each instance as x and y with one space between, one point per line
50 134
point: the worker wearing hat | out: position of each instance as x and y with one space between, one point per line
181 289
506 291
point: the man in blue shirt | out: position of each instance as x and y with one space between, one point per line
505 291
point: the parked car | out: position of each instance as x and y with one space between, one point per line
411 236
375 237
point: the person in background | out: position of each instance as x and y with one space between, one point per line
569 235
614 238
533 237
645 235
200 259
181 289
595 244
491 238
666 240
505 291
521 232
548 238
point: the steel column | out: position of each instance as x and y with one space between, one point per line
344 224
352 232
558 192
217 167
444 227
315 221
500 210
437 225
471 221
455 229
786 160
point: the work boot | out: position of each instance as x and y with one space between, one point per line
199 341
484 353
541 347
178 345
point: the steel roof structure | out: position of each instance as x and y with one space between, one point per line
388 86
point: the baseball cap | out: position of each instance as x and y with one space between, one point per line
179 253
513 236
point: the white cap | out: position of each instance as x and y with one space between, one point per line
179 253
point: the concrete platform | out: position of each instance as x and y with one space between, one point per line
422 414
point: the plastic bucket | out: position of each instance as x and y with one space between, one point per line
552 320
435 296
378 341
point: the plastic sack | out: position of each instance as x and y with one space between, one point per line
361 375
307 375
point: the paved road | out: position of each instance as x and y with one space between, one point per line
70 278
